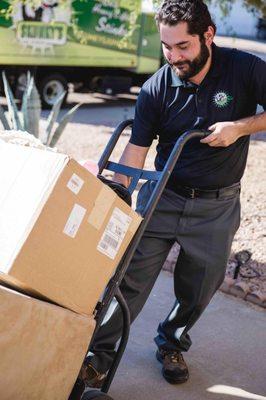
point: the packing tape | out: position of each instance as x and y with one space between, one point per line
102 205
136 220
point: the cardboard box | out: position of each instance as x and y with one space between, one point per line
42 348
62 231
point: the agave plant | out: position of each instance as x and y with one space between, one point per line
29 117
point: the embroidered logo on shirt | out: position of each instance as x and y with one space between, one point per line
222 99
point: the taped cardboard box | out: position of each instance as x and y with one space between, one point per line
42 347
62 231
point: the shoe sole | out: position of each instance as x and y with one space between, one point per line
175 381
170 380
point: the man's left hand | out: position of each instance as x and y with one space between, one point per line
223 134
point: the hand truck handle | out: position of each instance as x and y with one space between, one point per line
112 142
135 173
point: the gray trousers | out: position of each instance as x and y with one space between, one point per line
204 228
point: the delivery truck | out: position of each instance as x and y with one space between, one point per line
98 45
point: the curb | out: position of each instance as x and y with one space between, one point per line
233 287
241 290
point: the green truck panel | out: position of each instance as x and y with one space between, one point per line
86 33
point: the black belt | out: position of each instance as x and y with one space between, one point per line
191 193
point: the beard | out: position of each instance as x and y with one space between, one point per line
187 69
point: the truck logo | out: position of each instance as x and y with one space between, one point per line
40 36
42 26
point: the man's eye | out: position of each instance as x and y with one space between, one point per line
183 47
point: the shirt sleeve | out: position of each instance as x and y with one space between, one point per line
257 80
146 117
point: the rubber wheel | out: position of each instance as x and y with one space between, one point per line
95 394
51 88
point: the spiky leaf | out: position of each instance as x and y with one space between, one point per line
3 119
31 109
24 105
64 121
24 102
53 117
28 78
12 107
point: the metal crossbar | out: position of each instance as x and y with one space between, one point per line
135 173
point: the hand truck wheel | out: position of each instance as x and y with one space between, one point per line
95 394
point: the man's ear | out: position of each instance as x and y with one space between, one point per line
209 35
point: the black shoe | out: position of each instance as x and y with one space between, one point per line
174 368
90 376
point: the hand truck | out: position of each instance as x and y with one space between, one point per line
112 290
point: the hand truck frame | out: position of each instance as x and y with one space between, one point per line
112 289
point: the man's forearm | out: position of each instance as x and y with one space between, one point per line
225 133
250 125
133 156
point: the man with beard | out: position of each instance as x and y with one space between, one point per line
201 86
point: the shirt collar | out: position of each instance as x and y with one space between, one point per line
217 65
177 82
214 71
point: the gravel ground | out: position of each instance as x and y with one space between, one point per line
87 141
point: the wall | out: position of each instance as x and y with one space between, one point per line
239 22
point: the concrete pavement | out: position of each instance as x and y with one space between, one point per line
227 359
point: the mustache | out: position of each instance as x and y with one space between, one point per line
180 64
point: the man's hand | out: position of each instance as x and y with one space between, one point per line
223 134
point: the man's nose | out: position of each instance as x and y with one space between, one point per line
176 56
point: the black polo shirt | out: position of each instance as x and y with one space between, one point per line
167 107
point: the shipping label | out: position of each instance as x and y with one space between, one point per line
74 221
75 183
114 233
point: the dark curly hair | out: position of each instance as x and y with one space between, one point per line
194 12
